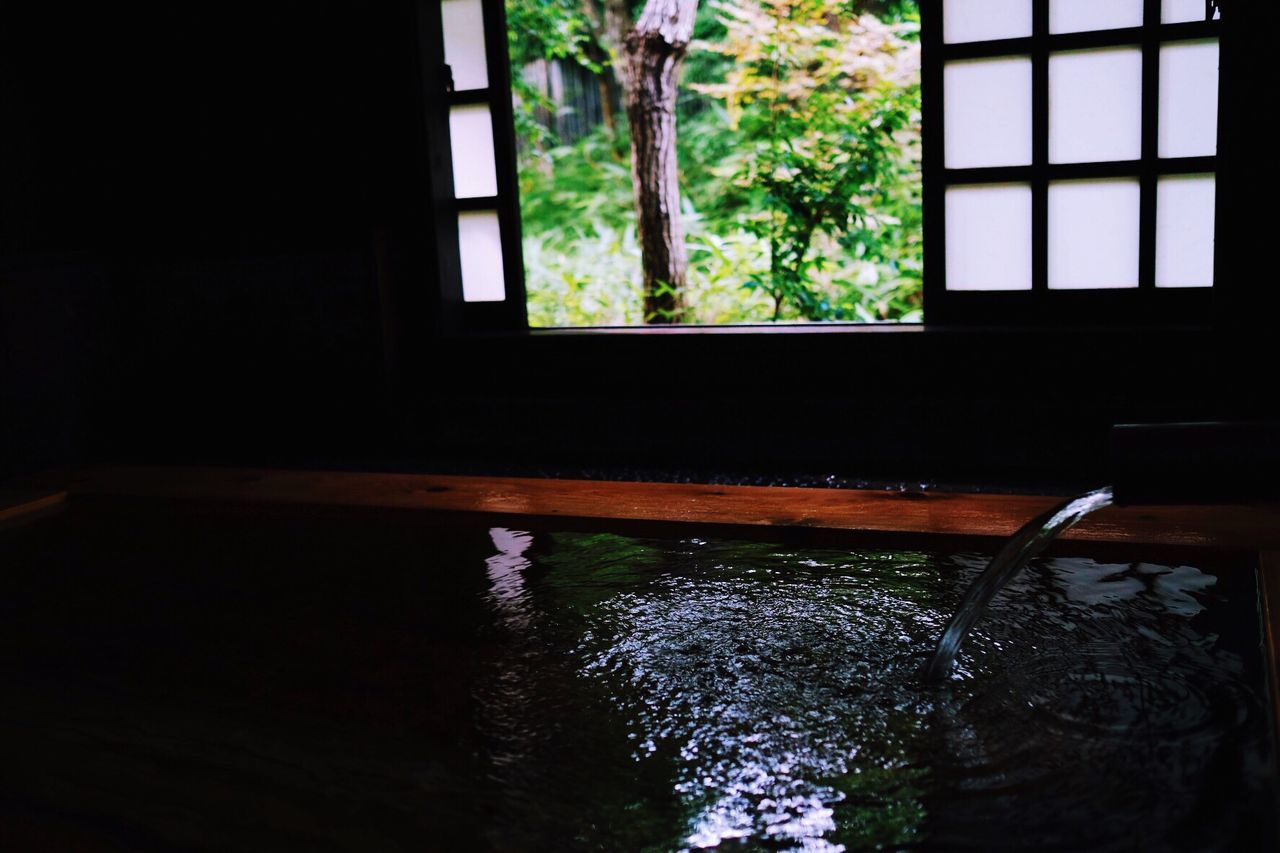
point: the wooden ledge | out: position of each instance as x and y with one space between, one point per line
540 502
17 506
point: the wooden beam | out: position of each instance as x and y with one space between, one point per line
17 507
541 502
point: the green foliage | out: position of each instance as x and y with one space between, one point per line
895 11
827 103
586 183
798 147
548 29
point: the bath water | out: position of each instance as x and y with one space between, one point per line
217 680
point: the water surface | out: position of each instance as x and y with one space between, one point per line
775 698
360 684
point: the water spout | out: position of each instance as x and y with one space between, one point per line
1029 541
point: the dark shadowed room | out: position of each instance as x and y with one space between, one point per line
609 425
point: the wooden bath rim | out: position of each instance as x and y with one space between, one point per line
747 510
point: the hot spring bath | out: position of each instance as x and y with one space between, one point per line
213 676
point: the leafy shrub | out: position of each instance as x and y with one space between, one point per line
798 147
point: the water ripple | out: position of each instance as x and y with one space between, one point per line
706 693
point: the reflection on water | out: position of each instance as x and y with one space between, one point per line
506 576
723 671
667 695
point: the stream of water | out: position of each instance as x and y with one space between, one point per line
1011 559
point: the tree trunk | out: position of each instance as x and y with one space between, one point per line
655 49
605 89
613 35
607 85
605 49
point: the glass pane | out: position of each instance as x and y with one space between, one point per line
1093 234
985 20
987 114
1095 105
1189 99
475 174
464 43
1177 11
989 237
480 247
1074 16
1185 212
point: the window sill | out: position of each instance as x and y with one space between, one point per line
826 330
735 329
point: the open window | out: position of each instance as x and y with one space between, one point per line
1069 163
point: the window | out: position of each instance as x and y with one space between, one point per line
1069 160
477 223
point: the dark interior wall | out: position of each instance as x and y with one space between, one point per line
213 248
961 406
192 200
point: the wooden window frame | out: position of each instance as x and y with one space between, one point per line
456 314
1144 305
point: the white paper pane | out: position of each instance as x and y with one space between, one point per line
1185 213
985 20
989 237
475 173
987 114
1095 105
1177 11
1093 234
1189 99
1074 16
480 245
464 43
